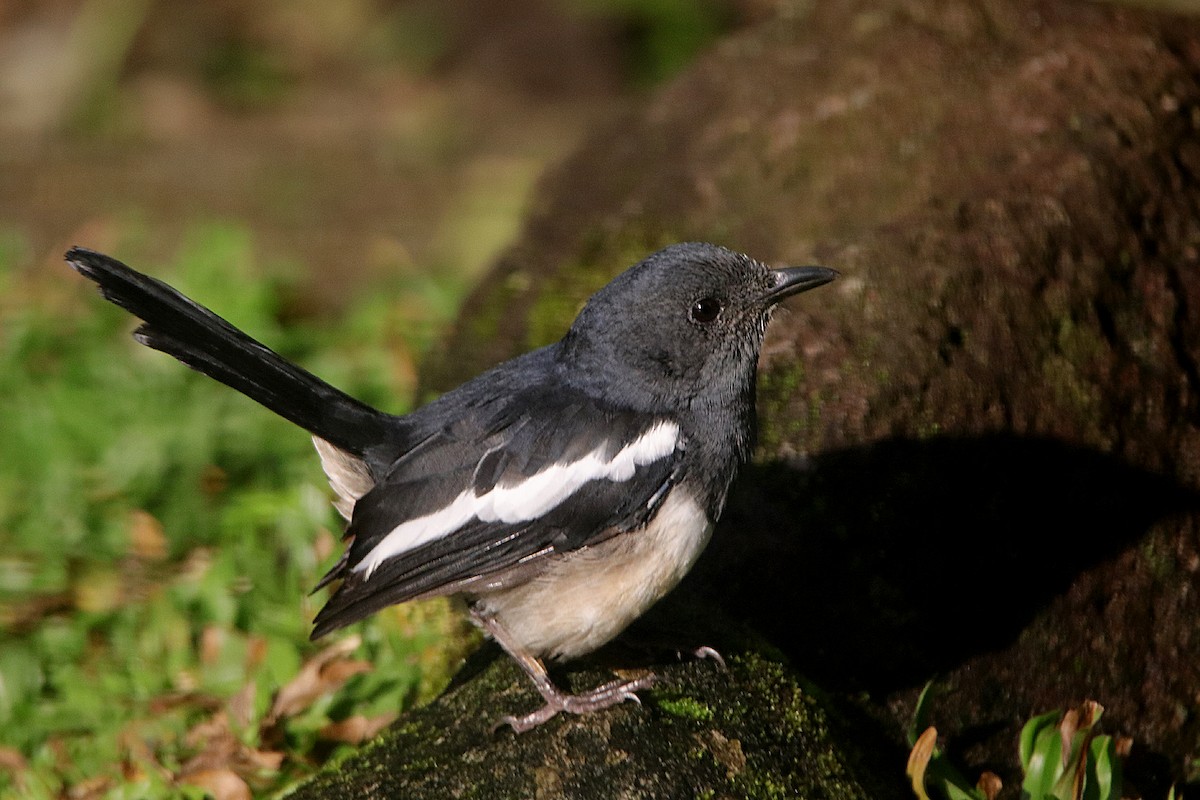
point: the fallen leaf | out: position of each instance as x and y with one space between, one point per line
213 480
338 672
222 784
212 738
260 760
12 762
321 674
241 705
918 760
357 728
990 784
256 653
19 617
91 788
147 541
137 756
98 589
212 641
324 544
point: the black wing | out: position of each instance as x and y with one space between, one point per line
512 480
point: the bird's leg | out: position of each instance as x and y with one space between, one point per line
557 700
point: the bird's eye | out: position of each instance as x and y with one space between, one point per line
705 310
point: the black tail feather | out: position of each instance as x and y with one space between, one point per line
204 341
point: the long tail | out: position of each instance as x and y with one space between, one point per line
199 338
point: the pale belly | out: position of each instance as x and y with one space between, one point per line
589 596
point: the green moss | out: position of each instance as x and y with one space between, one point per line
928 429
556 306
1065 369
781 418
1069 388
560 298
765 787
486 322
1160 559
686 707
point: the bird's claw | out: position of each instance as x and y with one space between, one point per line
710 654
598 699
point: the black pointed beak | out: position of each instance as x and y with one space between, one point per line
794 280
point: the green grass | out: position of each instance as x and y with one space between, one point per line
159 534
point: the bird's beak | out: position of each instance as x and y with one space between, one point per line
794 280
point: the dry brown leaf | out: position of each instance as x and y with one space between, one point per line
91 788
219 750
213 480
188 699
324 544
918 760
214 729
212 640
137 756
338 672
195 564
147 541
1123 746
222 784
98 589
321 674
357 728
251 760
1089 713
990 784
256 653
19 617
12 762
241 705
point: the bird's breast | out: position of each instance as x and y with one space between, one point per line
588 596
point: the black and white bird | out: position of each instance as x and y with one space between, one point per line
560 493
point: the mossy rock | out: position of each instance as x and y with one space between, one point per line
980 449
751 730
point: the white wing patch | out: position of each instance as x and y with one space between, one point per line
527 500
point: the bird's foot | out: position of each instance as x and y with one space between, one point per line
709 654
656 646
598 699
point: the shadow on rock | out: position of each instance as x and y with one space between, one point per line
876 568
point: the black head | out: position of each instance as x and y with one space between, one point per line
684 324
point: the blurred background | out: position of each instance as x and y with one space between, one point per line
366 135
331 177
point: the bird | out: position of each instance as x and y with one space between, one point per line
560 493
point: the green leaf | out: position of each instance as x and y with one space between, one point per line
1030 732
1044 766
1104 770
920 717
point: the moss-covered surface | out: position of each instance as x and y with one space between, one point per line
750 730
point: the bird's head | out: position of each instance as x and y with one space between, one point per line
685 324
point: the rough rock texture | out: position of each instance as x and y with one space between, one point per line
981 448
705 732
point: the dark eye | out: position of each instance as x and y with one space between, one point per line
705 310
